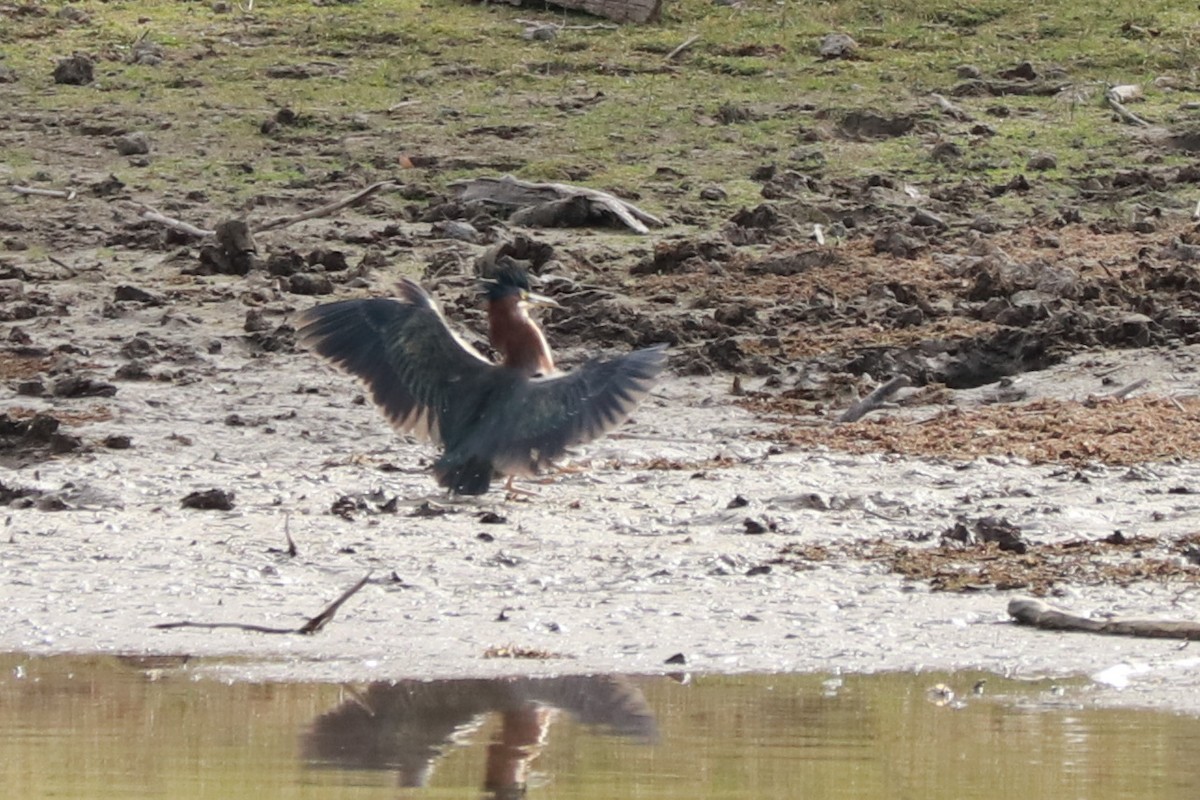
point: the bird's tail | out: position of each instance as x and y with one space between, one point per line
464 475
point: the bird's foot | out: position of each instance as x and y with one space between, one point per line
511 492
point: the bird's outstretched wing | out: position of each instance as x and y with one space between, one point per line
537 420
411 362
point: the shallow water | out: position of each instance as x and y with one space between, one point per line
108 727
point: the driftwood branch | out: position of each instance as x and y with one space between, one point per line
1028 611
1114 102
674 54
616 10
62 194
153 215
951 110
322 211
538 197
1125 391
875 399
307 629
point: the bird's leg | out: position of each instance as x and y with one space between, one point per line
511 492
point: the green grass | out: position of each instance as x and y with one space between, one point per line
463 66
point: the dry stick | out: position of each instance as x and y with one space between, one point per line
322 211
951 110
292 551
1124 113
671 56
307 629
1028 611
64 194
152 215
1125 391
874 400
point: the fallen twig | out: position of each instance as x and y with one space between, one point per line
1028 611
509 191
307 629
322 211
1114 102
597 26
875 399
691 40
951 110
153 215
1125 391
64 194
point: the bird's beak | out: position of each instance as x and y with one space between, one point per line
534 299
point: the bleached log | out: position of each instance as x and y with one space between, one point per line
509 191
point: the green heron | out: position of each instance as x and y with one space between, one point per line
509 418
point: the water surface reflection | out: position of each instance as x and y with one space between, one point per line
104 728
407 726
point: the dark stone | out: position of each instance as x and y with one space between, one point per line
75 70
209 500
309 284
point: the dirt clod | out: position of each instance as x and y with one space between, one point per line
74 70
209 500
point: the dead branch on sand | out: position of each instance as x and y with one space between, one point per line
322 211
62 194
874 400
307 629
553 204
1028 611
151 214
1114 102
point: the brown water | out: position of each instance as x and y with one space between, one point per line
104 727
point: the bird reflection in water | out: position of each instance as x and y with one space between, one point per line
408 725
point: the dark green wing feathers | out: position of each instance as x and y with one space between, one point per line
547 415
489 418
414 367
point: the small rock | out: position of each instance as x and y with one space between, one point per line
146 53
1023 72
107 187
738 502
285 263
946 151
31 388
968 72
309 284
73 14
7 74
927 219
209 500
82 386
678 658
713 193
133 371
136 295
75 70
256 321
754 527
456 230
118 442
132 144
838 45
330 260
138 347
1040 162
